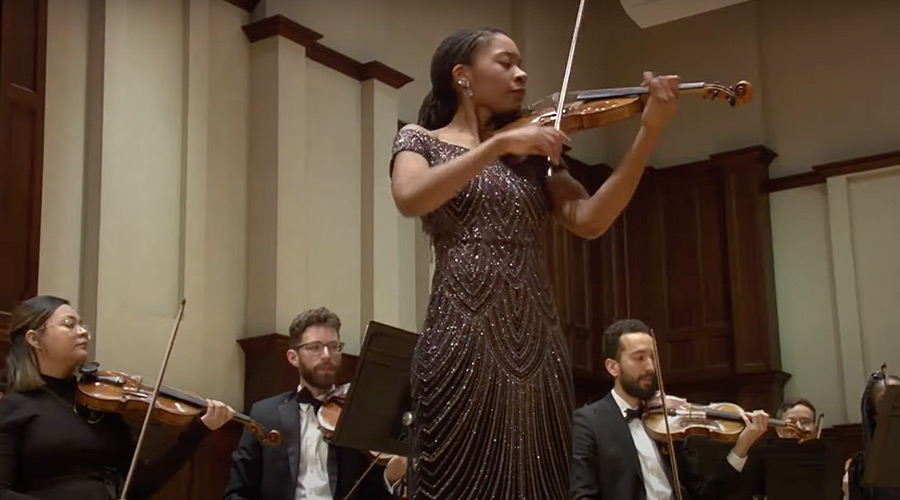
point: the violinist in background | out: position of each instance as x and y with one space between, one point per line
50 448
306 466
869 407
799 412
615 458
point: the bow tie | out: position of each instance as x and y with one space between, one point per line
305 397
636 413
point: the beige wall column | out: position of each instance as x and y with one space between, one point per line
389 239
64 148
130 225
277 182
846 302
140 272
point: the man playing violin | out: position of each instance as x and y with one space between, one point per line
799 412
615 458
305 466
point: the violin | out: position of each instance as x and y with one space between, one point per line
718 421
116 392
587 109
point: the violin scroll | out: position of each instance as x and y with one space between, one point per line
272 438
739 93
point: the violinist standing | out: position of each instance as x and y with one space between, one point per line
491 382
615 459
52 449
305 466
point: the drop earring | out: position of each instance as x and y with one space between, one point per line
466 90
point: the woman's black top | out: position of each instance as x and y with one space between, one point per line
48 451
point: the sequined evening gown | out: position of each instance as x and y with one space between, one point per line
491 380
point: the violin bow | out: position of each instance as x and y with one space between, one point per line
565 83
156 388
676 481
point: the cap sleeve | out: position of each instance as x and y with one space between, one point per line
410 139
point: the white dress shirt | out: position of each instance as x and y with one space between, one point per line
656 483
312 479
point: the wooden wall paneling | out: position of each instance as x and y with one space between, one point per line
754 316
4 343
205 475
670 260
23 40
266 369
714 327
680 353
645 255
594 270
695 336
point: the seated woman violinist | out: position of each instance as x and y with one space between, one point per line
51 448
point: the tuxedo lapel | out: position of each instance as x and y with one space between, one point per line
612 416
289 413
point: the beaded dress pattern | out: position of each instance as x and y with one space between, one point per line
491 377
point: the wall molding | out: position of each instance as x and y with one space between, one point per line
247 5
820 173
282 26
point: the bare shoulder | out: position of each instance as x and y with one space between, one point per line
413 127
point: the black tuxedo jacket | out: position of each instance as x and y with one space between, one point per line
260 472
606 464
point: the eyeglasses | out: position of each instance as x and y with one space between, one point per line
318 348
803 423
75 327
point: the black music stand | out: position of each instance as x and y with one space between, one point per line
809 470
376 413
883 460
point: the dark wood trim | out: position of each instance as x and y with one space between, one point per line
247 5
38 151
850 436
281 26
5 325
372 70
22 106
820 173
335 60
793 181
754 154
377 70
857 165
